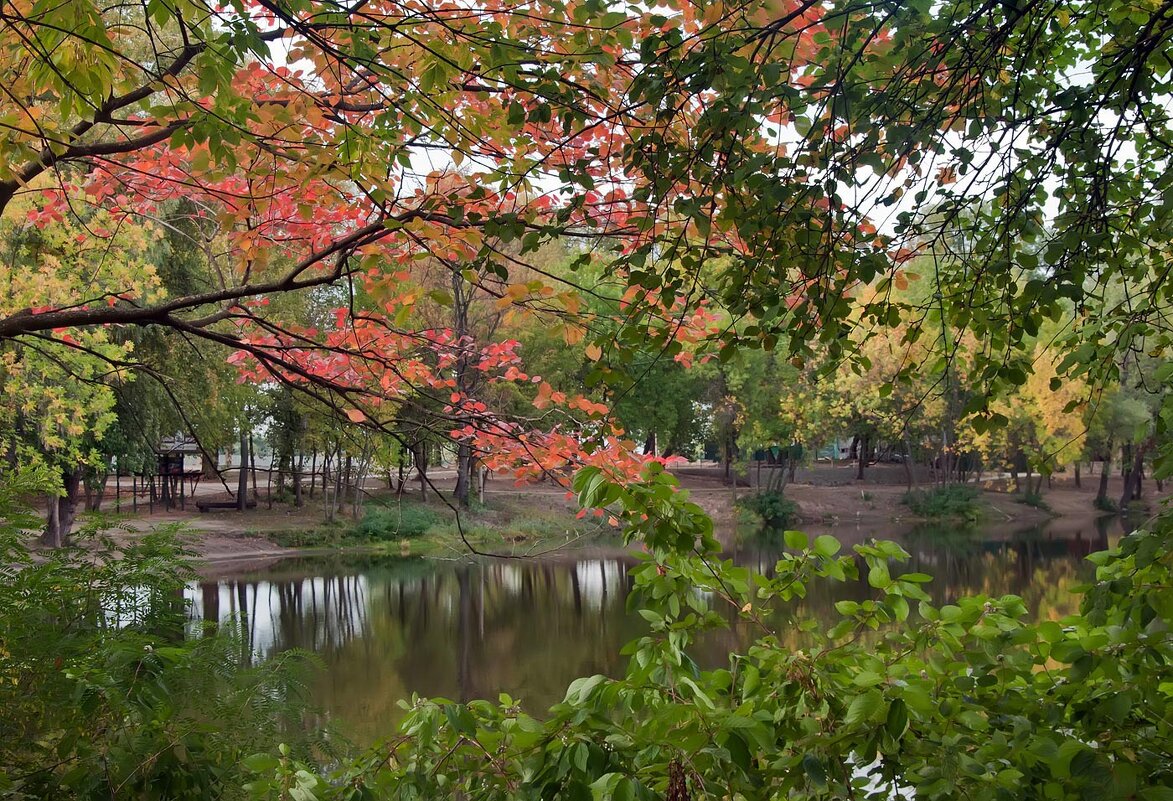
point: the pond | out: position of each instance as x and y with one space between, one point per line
388 627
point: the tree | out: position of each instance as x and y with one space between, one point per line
59 390
654 133
742 154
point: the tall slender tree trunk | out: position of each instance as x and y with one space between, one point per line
242 470
1133 473
298 469
909 475
862 457
463 491
420 454
252 457
1105 473
462 295
345 484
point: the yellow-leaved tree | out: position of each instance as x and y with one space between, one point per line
57 400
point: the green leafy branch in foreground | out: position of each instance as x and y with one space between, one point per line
967 700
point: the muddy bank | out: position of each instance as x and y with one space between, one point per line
828 498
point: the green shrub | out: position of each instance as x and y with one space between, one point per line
1105 504
105 693
772 510
951 501
399 522
1035 499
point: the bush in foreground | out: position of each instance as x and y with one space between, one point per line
900 698
102 693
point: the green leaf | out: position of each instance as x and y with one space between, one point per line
795 540
580 689
864 707
261 763
878 575
814 769
826 545
897 722
461 719
1156 793
1050 631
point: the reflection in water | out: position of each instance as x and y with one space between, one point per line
386 628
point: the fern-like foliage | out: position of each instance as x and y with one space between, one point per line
107 690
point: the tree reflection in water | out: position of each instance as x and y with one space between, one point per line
386 628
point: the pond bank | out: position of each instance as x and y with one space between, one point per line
528 520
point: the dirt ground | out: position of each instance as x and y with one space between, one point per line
831 496
827 496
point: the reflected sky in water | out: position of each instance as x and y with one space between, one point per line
389 627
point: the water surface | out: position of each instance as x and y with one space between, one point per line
389 627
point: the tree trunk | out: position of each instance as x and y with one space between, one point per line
862 457
730 455
907 462
1132 475
336 505
242 473
252 458
420 454
1105 473
463 491
207 466
62 510
298 468
95 488
1077 482
51 536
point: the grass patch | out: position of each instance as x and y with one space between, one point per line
1105 504
392 522
403 521
1034 499
766 511
949 502
324 536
